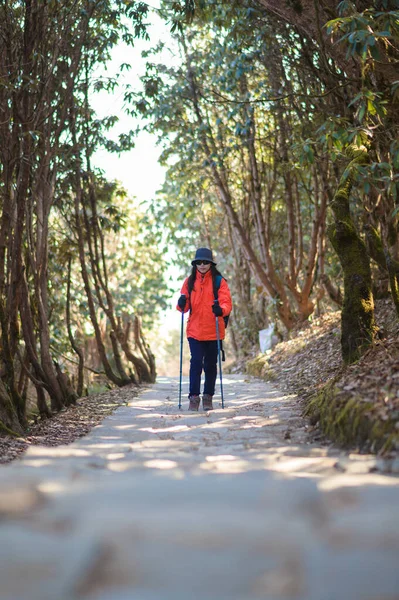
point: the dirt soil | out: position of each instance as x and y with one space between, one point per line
67 425
311 357
307 361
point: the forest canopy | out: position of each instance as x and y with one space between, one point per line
279 123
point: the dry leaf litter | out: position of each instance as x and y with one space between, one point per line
69 424
311 358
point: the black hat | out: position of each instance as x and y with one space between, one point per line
203 254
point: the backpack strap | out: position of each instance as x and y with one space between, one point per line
218 281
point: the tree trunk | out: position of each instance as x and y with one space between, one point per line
75 347
145 367
384 260
334 293
310 17
357 319
9 421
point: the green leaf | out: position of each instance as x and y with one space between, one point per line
375 53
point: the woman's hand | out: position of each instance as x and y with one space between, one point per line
217 311
181 303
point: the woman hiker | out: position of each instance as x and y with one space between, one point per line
198 295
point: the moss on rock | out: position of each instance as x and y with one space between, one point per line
350 421
260 367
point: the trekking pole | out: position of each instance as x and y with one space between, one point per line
219 357
181 356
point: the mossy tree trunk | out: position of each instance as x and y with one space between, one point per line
9 422
357 319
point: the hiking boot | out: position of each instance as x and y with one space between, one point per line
207 402
194 403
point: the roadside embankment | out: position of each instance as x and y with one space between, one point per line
356 406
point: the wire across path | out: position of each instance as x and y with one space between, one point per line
234 504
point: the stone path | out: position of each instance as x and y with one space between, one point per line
162 504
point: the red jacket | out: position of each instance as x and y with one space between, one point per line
201 323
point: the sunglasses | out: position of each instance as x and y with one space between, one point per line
202 262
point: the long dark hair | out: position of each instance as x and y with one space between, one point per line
191 279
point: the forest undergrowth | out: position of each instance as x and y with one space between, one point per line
357 405
67 425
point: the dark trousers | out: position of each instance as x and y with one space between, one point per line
204 355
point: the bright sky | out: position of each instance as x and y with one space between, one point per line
138 170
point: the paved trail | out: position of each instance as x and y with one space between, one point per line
236 504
